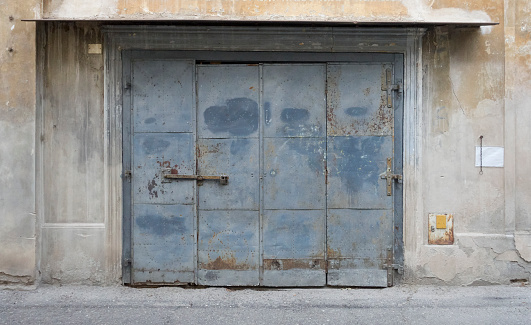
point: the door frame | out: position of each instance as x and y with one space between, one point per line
321 41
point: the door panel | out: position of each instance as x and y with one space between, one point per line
228 97
357 105
163 244
294 100
355 164
154 152
237 158
359 211
357 247
293 248
228 117
168 85
228 248
294 175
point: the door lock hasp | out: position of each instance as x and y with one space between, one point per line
223 179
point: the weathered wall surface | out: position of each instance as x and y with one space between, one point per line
17 144
464 83
519 99
306 10
73 223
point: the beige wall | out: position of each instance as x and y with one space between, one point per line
72 213
17 141
518 78
317 10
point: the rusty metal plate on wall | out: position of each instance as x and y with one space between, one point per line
440 229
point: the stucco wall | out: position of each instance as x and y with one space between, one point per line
519 101
476 83
306 10
73 222
17 144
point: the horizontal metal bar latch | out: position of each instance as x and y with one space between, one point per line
223 179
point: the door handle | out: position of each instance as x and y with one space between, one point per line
389 176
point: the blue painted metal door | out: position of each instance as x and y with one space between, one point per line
159 135
360 140
228 143
294 148
305 147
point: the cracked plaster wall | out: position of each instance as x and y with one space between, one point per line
476 82
73 222
17 142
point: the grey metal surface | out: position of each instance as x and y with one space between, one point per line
228 248
354 165
294 100
164 243
294 175
360 139
153 152
160 87
228 97
163 237
237 158
356 102
294 170
300 202
228 129
294 248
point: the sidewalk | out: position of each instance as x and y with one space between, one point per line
173 305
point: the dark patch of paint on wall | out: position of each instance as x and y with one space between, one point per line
356 111
294 115
355 160
239 117
152 145
162 225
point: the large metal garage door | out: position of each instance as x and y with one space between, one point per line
272 174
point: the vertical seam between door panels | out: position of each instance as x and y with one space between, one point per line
326 177
196 171
126 163
261 174
131 155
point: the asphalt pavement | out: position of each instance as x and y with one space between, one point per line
403 304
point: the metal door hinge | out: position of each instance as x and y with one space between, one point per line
389 87
390 267
389 176
398 267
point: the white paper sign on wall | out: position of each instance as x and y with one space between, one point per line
492 156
